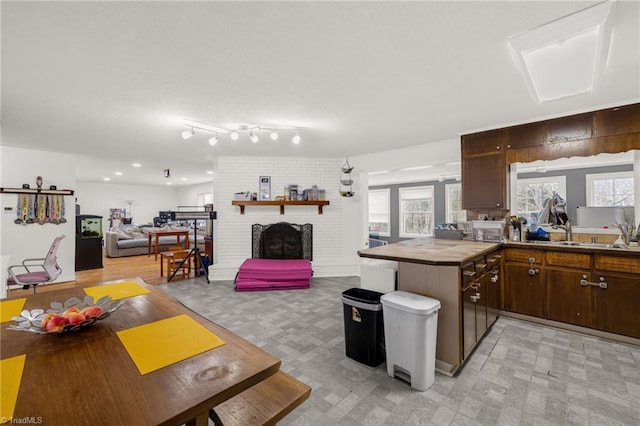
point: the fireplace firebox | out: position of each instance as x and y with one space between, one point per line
282 240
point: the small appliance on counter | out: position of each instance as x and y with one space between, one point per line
488 230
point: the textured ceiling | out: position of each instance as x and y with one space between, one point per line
109 80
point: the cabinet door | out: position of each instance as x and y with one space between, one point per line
524 293
571 128
469 302
482 143
493 284
617 121
481 307
617 306
567 300
484 182
525 136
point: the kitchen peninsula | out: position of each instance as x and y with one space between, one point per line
449 270
583 287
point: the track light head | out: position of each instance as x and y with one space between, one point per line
234 136
254 138
274 136
296 139
213 140
188 134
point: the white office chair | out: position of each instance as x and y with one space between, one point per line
38 271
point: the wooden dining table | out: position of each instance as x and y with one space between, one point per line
156 233
88 376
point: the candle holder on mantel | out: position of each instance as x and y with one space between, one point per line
346 181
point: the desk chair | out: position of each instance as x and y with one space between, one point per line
38 270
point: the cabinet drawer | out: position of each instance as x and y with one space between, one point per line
569 260
522 255
624 264
468 273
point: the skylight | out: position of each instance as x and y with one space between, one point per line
563 58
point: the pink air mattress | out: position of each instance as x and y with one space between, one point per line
273 274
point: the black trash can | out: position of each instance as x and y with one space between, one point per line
363 326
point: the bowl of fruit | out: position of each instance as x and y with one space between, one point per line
62 317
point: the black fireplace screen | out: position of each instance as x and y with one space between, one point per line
282 240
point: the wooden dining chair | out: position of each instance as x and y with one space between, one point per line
177 260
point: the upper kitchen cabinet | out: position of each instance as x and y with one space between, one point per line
571 128
525 135
617 121
484 171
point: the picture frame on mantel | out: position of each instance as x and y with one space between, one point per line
264 192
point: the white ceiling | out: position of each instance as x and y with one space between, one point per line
110 80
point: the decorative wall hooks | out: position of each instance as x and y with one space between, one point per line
38 205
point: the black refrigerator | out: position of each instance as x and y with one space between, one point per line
88 242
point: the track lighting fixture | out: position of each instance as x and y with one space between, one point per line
188 134
252 130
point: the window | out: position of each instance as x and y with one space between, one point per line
205 198
416 212
453 200
532 193
610 189
379 212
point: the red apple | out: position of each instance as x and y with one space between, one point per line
92 311
56 324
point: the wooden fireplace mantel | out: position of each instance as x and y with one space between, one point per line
281 203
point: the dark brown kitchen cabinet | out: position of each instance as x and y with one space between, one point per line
493 287
617 303
617 121
474 304
525 286
525 135
571 128
483 143
569 301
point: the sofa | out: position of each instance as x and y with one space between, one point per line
132 241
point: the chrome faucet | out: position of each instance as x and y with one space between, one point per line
567 230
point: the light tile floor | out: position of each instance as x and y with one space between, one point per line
520 374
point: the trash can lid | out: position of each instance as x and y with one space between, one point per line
410 302
362 295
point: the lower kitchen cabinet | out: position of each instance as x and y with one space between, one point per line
525 289
568 300
494 295
617 307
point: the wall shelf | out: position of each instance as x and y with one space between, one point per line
281 203
36 191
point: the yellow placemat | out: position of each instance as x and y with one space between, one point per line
10 377
159 344
117 290
10 308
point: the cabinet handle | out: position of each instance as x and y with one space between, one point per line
494 279
474 298
497 204
583 281
533 272
602 283
498 147
469 273
508 146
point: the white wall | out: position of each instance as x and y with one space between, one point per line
188 195
18 242
97 198
335 239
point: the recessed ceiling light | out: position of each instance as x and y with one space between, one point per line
183 178
168 183
209 172
410 169
136 165
106 178
117 173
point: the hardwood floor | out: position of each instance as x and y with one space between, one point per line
114 269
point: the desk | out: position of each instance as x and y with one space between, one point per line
87 377
168 255
159 234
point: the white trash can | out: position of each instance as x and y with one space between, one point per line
410 328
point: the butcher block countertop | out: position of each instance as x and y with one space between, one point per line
431 251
